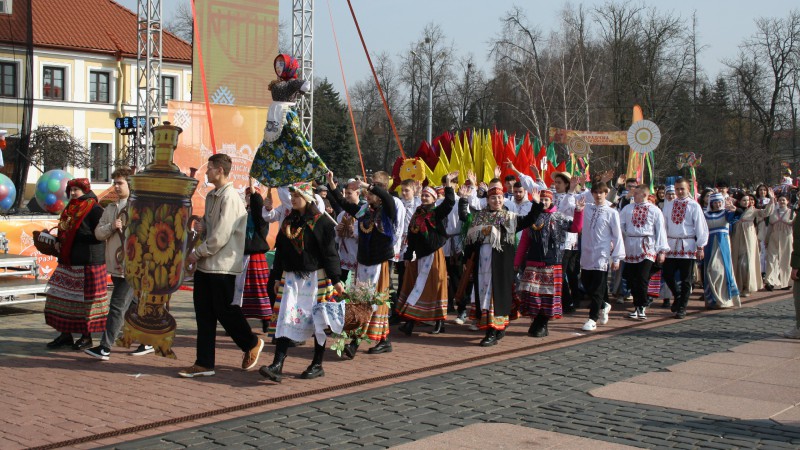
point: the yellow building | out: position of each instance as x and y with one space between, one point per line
83 71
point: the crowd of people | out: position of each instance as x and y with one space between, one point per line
488 253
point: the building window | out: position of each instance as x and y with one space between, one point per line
53 86
5 6
101 154
167 89
8 79
98 87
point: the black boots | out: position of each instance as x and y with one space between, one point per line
83 343
490 339
438 327
384 346
539 326
407 328
62 340
315 369
350 349
275 370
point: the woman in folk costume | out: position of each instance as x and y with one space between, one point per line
779 245
423 295
77 296
251 286
491 237
307 270
346 235
763 199
285 156
539 254
745 251
719 283
376 232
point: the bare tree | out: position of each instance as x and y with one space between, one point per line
53 146
181 23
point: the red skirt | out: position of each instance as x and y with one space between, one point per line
77 299
255 298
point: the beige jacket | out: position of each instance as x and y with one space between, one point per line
105 232
225 220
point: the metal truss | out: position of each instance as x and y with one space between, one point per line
303 50
148 76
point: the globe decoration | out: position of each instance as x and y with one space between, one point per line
8 193
51 190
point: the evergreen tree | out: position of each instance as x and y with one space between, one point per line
333 139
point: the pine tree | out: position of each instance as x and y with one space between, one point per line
333 139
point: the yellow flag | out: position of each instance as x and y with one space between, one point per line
455 159
488 162
441 169
477 152
467 163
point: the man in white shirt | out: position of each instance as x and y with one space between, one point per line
687 234
519 202
645 243
601 247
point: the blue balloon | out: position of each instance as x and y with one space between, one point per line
42 185
7 203
56 174
50 199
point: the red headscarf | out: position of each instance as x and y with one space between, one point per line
81 183
290 66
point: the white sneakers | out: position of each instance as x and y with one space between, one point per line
604 314
638 313
591 325
792 333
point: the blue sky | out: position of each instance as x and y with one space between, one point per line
390 26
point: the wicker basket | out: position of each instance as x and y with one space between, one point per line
45 242
356 315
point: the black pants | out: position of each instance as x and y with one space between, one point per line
213 294
455 270
596 284
638 277
570 283
682 288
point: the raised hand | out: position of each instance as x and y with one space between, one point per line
621 179
606 176
497 171
536 196
580 204
510 165
472 178
329 177
463 191
452 176
535 171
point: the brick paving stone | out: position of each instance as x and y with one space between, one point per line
547 391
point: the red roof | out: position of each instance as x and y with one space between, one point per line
96 26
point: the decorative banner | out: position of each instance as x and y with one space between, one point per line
240 41
19 232
688 159
644 136
562 136
579 147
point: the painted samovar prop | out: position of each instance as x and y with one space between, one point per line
158 223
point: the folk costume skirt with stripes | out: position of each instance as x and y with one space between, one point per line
654 288
255 297
378 276
77 299
423 295
297 295
540 291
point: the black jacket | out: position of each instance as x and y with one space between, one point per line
255 240
86 249
376 246
318 252
423 240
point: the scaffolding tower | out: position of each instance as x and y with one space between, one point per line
303 50
148 76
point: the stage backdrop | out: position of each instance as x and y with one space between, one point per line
239 40
238 131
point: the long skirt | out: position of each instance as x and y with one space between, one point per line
423 295
255 296
77 299
779 252
654 287
540 291
483 294
378 276
719 285
295 301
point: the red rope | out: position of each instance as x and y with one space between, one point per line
203 78
347 93
377 83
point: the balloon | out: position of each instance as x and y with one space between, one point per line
51 192
8 193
